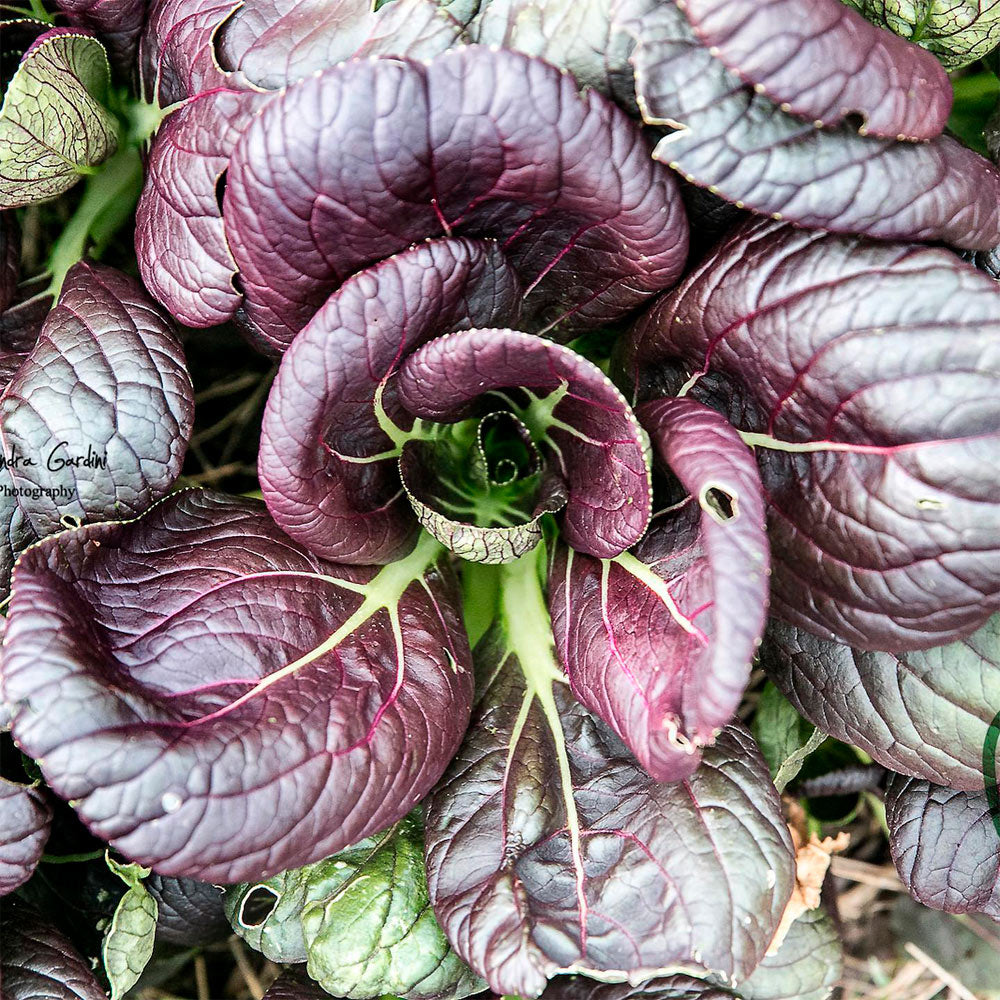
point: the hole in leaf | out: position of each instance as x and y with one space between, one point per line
719 503
70 521
220 188
258 905
857 122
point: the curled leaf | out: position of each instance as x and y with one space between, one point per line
386 154
740 145
865 375
659 641
946 845
25 820
53 125
219 704
328 471
543 829
831 65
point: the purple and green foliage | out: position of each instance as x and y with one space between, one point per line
561 435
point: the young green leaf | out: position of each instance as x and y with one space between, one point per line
53 127
128 944
778 728
958 32
360 919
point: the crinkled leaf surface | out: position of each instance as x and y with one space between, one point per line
118 22
53 127
180 241
128 941
659 641
189 912
37 961
549 850
327 470
25 820
222 705
583 36
824 62
807 966
360 919
595 442
180 238
293 985
958 32
925 713
945 845
867 376
275 42
662 988
95 421
739 144
477 143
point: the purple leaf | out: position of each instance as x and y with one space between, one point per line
740 145
25 819
180 241
188 912
594 438
945 845
319 470
295 985
866 375
276 42
659 642
221 705
475 143
37 962
924 713
826 63
582 36
548 849
118 22
677 987
95 420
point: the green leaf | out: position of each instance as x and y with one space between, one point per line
958 32
128 944
976 99
53 127
361 919
779 730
